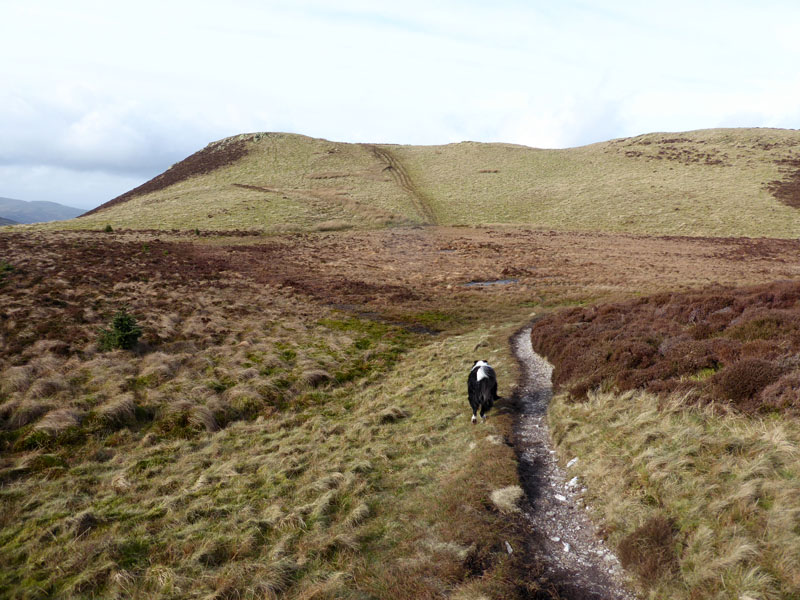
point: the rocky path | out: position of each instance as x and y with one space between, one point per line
577 564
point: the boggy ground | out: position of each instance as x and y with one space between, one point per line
266 437
399 271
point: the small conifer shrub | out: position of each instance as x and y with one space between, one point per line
5 268
109 228
124 332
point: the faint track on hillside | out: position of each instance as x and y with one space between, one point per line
577 564
401 177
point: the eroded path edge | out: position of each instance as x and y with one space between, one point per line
577 563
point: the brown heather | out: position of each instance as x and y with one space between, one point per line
728 344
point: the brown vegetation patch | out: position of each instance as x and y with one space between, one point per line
214 156
787 190
729 344
650 550
257 188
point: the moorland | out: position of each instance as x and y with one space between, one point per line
293 423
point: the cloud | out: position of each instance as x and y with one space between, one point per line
103 92
82 130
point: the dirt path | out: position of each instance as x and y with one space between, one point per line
400 175
577 564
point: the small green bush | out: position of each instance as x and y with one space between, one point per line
4 269
109 228
124 332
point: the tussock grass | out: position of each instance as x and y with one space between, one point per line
260 445
700 502
506 498
323 499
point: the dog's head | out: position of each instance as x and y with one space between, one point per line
479 363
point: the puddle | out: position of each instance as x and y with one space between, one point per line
488 283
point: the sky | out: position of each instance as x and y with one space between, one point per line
98 97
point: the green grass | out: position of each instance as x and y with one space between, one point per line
297 184
353 495
701 183
618 185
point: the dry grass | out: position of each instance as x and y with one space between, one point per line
506 499
255 444
701 503
717 182
355 494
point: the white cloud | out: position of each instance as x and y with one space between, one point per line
116 92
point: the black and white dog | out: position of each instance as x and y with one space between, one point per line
482 388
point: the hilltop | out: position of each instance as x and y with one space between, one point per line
37 211
716 182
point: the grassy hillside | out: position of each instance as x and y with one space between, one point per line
725 182
712 182
271 182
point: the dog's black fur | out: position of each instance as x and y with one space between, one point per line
482 388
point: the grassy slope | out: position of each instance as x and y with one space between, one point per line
709 182
305 184
699 503
618 185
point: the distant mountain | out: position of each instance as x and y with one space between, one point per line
4 222
20 211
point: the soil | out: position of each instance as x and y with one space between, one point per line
575 562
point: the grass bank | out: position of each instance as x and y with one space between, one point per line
682 411
698 502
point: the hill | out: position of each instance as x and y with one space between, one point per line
20 211
718 182
4 222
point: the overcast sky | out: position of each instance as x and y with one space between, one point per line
98 97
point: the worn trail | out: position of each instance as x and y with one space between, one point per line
401 177
576 562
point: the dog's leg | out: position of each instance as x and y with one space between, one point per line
474 418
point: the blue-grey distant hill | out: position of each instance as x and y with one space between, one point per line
21 211
4 222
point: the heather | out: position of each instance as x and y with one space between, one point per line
738 346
